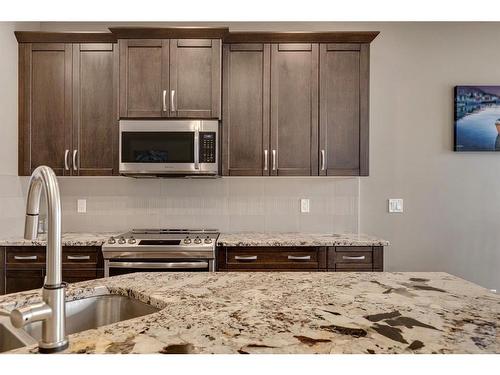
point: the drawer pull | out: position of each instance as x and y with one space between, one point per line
78 257
294 257
347 257
27 257
247 258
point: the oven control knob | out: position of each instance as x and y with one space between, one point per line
111 240
122 240
187 240
197 240
208 240
131 240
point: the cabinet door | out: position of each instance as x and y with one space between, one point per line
44 107
344 109
95 105
195 78
2 270
144 77
246 110
24 279
294 109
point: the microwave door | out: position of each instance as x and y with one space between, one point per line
158 151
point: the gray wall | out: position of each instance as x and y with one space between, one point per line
452 200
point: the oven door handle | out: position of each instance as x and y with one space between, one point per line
160 265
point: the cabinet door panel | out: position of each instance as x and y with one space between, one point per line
341 99
143 77
21 280
246 110
195 87
294 109
45 106
95 126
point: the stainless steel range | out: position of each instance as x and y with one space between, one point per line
160 250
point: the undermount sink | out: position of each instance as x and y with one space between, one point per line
81 315
94 312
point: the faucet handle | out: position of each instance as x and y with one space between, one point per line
25 315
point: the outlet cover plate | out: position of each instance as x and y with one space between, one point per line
304 206
395 205
81 206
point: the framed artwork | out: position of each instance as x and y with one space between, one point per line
477 118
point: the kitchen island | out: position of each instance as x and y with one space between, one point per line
290 312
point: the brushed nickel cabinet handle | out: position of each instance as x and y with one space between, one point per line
248 258
75 164
172 101
66 164
295 257
322 160
78 257
274 160
265 160
164 100
27 257
347 257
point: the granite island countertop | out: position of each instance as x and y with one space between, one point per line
298 239
295 312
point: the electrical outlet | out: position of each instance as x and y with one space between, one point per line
395 205
304 205
493 290
81 206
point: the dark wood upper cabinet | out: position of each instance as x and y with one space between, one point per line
294 109
45 106
95 109
246 109
170 78
344 77
195 78
68 108
144 77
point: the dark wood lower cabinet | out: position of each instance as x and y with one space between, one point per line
24 266
340 258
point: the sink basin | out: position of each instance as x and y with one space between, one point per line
94 312
8 340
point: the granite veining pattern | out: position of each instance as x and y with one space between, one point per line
294 312
68 239
298 239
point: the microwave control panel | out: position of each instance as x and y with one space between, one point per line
207 147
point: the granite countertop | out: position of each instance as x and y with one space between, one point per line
294 312
225 239
68 239
298 239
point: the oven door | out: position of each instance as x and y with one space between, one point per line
123 266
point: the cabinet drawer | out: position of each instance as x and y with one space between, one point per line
80 257
25 257
353 257
272 258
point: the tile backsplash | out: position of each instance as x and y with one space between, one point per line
227 204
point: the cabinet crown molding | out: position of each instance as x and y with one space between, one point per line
55 37
196 33
169 32
302 37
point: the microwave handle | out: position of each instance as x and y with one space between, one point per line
197 149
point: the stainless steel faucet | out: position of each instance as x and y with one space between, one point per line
52 310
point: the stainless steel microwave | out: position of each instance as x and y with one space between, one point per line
169 148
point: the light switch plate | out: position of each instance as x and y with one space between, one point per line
304 205
395 205
81 206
